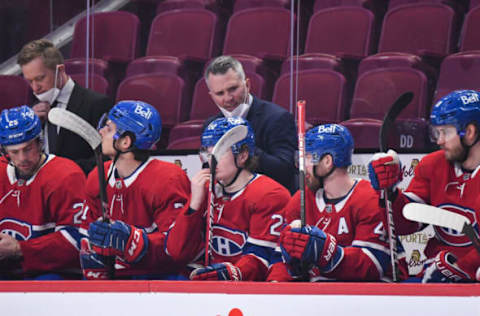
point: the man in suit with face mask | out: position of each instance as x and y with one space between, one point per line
42 66
274 127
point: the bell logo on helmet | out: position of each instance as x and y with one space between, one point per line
327 128
145 112
471 98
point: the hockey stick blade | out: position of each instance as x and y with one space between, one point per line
396 108
228 139
428 214
76 124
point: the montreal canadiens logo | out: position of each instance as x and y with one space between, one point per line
451 236
16 229
228 242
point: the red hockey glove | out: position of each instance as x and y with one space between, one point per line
385 170
118 238
225 271
444 269
309 246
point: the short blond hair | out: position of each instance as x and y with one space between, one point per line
40 48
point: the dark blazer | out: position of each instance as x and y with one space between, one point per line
89 105
275 140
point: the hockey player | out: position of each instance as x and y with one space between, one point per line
144 197
41 200
246 217
345 233
448 179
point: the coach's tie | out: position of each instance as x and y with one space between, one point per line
52 134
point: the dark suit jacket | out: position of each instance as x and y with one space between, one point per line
89 105
275 140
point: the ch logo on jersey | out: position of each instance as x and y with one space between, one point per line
451 236
16 229
228 242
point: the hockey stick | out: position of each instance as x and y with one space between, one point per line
428 214
228 139
82 128
385 129
301 157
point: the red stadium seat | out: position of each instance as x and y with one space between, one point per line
14 91
376 90
261 32
313 61
341 31
424 29
250 4
163 91
186 34
471 31
458 71
114 36
324 91
78 66
95 82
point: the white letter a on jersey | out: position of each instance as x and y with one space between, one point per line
342 226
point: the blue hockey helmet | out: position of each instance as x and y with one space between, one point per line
458 108
19 125
331 139
216 129
139 118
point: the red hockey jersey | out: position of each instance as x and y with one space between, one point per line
358 224
246 226
442 184
40 213
150 198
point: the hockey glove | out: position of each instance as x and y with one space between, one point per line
118 239
310 246
225 271
385 170
93 266
444 269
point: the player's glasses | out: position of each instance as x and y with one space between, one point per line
445 132
310 158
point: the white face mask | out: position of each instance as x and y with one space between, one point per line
50 95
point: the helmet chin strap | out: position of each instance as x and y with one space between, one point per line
239 170
118 152
321 179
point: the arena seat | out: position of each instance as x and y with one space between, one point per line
458 71
261 32
14 91
424 29
471 31
186 34
114 37
96 82
341 31
324 91
163 91
376 90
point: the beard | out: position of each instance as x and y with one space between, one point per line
314 183
457 154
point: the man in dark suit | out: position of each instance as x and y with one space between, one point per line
42 66
274 127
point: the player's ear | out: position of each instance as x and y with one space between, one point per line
126 141
471 134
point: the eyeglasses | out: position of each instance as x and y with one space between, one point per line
445 132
